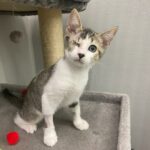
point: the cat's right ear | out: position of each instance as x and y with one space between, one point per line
74 23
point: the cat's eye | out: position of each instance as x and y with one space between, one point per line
92 48
76 43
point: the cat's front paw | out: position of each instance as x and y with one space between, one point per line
50 137
81 124
28 127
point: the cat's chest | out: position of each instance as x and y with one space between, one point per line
66 80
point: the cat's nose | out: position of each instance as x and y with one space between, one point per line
81 55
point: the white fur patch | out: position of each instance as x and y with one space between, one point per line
64 87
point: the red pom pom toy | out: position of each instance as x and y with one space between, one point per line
12 138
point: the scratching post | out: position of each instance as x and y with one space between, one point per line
50 21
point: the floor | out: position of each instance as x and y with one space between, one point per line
102 134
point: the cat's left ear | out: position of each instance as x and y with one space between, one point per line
108 36
74 23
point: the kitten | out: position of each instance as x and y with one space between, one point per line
62 84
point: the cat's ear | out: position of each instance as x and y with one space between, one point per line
108 36
74 23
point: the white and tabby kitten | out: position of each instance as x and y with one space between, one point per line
62 84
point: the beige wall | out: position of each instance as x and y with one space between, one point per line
125 67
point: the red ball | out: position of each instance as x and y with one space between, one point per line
12 138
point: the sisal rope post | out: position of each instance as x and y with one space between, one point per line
50 21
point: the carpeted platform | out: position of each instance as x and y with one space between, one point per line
107 114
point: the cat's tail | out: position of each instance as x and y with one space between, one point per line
12 98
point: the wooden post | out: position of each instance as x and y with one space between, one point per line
50 21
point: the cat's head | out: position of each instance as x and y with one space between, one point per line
84 46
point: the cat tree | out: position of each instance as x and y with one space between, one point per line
50 21
108 114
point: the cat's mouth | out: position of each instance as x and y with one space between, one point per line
79 61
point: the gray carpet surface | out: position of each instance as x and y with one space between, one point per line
103 118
